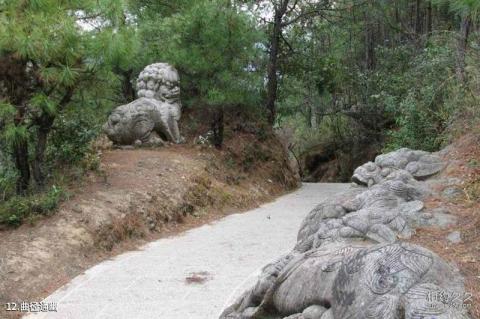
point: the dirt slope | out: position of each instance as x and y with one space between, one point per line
137 195
458 193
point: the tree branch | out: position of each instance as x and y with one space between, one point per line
292 7
67 97
287 43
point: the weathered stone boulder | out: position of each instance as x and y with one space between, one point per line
419 164
359 280
154 116
349 261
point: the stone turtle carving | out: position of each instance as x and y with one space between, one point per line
154 116
349 262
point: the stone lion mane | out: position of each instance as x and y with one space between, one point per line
152 117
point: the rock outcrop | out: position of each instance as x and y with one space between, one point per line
349 260
154 116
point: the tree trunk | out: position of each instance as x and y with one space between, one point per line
218 127
40 147
313 117
20 153
418 18
429 21
272 69
312 108
45 124
397 35
369 45
128 90
462 48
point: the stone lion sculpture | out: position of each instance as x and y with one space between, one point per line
349 262
154 116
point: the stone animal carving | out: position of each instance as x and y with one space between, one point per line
419 164
154 116
357 281
348 261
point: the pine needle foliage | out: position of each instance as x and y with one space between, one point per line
52 54
213 44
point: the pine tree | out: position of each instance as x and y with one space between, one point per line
468 11
212 43
49 49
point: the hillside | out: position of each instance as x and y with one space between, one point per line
136 196
458 194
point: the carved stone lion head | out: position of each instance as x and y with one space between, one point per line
159 81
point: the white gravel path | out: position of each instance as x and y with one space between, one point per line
151 282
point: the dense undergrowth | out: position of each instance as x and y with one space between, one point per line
418 102
18 208
70 154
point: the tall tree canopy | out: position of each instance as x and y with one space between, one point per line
47 54
352 76
213 44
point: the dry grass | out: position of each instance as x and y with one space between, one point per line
472 190
463 156
119 229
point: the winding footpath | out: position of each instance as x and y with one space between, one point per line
193 275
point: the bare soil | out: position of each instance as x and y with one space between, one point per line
137 196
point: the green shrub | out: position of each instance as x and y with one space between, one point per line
8 179
70 141
91 161
417 128
17 208
423 99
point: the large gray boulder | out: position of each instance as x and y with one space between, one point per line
154 116
349 260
